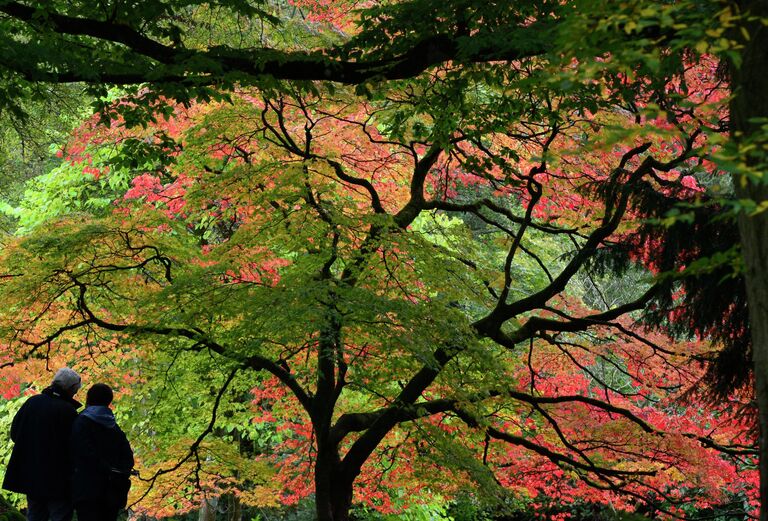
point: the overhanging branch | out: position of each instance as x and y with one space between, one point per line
175 63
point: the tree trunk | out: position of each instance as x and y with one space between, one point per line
754 238
208 509
333 488
334 503
750 100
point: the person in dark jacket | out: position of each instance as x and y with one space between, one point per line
40 465
102 459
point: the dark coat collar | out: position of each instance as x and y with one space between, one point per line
56 392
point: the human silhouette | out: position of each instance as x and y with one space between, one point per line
102 459
40 465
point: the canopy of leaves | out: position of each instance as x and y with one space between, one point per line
380 288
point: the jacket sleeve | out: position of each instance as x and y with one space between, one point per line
16 423
125 459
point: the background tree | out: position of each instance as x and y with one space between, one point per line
45 118
749 110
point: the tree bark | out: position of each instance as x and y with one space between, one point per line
750 101
754 240
234 508
208 509
333 487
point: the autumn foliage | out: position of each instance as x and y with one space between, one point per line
309 293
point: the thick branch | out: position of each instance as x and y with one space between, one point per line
535 324
357 422
368 441
617 201
415 204
198 336
207 66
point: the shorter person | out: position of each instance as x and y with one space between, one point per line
40 466
102 459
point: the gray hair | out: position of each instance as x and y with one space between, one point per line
67 380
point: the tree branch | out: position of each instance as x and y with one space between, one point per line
182 65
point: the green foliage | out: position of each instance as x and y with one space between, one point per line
435 511
64 191
8 512
10 501
44 118
467 507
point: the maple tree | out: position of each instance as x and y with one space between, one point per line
381 256
380 260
